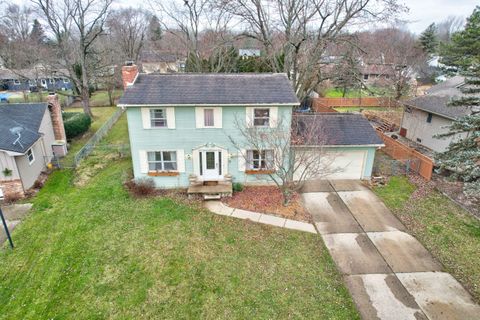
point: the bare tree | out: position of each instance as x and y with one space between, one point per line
128 29
290 153
449 26
193 22
76 25
296 33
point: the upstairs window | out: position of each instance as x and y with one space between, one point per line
162 161
208 118
261 117
158 118
16 81
260 159
429 118
365 77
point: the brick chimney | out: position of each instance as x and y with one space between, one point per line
129 74
56 115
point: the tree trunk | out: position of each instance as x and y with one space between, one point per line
85 91
110 96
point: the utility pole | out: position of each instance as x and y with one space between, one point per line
5 222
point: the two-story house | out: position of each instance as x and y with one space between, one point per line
181 125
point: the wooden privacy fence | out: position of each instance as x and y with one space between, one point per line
422 164
356 102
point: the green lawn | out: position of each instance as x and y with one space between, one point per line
94 252
100 116
446 230
37 97
338 93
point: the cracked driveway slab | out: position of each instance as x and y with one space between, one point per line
382 296
354 253
329 213
403 252
370 212
440 296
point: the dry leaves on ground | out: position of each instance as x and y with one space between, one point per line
268 199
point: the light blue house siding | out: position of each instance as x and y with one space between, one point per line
188 137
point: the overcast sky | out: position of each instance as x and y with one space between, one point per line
424 12
420 15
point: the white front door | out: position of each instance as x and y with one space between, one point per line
210 165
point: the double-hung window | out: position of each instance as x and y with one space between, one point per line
162 161
261 117
208 117
260 159
30 156
158 118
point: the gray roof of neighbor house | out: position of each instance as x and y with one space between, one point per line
335 129
27 116
438 98
210 89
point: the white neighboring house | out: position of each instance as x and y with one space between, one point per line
30 135
429 115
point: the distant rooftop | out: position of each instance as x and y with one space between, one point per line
210 89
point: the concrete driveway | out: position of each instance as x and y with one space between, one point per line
388 272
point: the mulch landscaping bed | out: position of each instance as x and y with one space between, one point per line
268 199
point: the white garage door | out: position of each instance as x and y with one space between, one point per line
344 165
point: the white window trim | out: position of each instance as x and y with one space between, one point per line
28 156
66 80
143 160
170 114
165 117
268 166
163 161
273 116
200 118
16 81
269 117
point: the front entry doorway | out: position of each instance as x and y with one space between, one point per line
211 165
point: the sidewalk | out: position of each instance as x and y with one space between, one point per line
219 208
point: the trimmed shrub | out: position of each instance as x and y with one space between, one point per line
75 123
237 187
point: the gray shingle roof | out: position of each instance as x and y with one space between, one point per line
26 115
336 129
210 89
438 98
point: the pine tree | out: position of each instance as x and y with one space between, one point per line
428 39
38 34
463 156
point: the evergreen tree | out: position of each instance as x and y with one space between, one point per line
428 39
463 156
38 34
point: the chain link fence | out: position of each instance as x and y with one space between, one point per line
92 142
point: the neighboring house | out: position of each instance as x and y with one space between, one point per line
33 79
161 62
249 53
377 74
429 115
30 134
180 127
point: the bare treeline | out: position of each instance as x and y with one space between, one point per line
85 40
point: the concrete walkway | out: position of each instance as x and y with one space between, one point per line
219 208
388 272
13 216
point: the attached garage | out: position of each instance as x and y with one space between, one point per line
347 140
